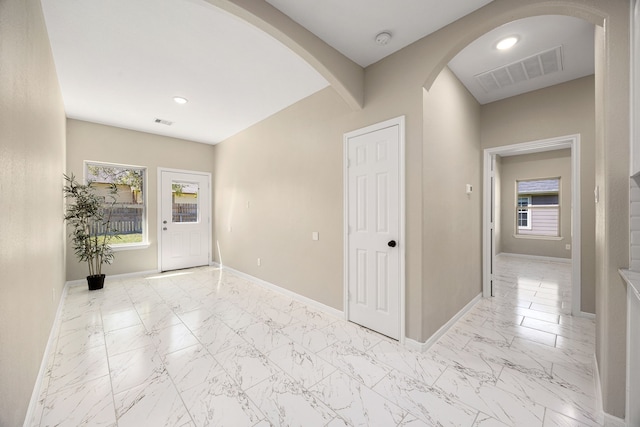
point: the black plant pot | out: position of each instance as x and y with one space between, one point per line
95 282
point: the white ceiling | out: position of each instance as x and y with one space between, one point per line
121 62
351 26
536 34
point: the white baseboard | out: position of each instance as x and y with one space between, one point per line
424 346
596 378
611 421
35 395
607 420
301 298
114 277
536 257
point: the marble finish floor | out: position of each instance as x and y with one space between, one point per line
204 347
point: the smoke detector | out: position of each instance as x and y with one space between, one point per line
383 38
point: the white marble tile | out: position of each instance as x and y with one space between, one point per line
357 404
246 365
357 363
429 404
228 335
422 366
309 336
524 331
127 339
472 363
554 419
566 331
159 318
89 403
220 402
285 402
134 367
237 318
311 316
552 392
484 420
509 408
352 335
514 358
198 318
120 319
154 403
273 316
173 338
72 370
264 336
216 336
73 341
545 354
301 364
192 366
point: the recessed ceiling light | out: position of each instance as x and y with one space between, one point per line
507 43
180 100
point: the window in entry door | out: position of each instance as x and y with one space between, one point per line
184 201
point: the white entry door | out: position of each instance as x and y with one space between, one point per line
374 242
184 220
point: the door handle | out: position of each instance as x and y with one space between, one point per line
392 243
164 222
164 228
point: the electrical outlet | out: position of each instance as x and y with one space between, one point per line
259 262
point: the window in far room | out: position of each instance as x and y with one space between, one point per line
128 215
538 207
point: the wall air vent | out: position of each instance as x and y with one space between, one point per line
537 65
163 122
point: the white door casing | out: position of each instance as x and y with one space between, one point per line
569 141
184 238
374 227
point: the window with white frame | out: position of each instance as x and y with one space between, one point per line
128 215
523 212
538 207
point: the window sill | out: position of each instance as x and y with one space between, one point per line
130 246
534 237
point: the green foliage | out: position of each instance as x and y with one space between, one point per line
85 213
115 175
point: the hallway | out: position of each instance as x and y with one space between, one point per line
206 347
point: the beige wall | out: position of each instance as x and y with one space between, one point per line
564 109
32 126
393 87
452 227
550 164
90 141
275 184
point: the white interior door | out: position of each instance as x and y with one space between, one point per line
374 233
184 220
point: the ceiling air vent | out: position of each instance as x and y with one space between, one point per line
538 65
163 122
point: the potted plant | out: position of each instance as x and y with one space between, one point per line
88 215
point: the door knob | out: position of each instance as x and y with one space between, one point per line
164 222
164 228
392 243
